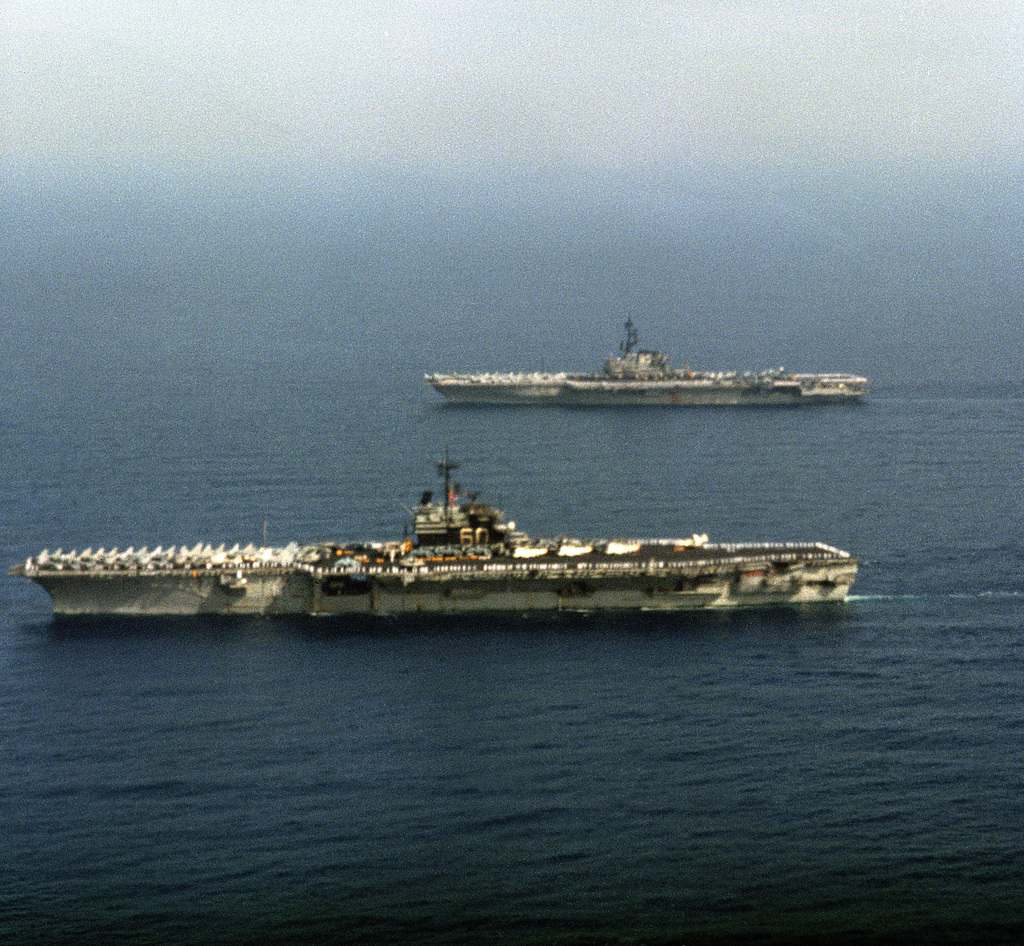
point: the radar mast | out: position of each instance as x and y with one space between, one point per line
632 337
444 469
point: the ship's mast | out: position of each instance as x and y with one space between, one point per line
632 337
445 469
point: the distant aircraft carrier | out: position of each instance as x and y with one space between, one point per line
642 376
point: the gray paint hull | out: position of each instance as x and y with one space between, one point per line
610 394
768 578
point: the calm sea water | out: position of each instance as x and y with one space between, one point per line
183 370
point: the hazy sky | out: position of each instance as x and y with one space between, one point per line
512 85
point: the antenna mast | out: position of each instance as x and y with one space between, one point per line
632 337
445 469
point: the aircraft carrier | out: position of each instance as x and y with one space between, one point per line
464 557
643 376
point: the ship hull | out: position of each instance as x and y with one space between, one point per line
610 393
175 593
766 580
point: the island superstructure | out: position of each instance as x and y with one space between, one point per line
644 376
464 557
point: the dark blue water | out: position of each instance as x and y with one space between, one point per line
183 368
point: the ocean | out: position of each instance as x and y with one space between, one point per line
191 362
